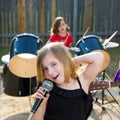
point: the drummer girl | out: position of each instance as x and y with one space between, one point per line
60 32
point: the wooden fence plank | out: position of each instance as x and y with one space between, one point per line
42 10
53 10
31 28
88 14
21 11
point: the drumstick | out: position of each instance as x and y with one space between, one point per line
108 40
86 31
83 36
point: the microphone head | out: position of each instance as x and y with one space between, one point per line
47 85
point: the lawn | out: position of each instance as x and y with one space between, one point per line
3 51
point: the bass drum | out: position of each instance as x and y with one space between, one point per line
18 85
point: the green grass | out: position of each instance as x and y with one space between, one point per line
111 70
3 51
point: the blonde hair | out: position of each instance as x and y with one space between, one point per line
62 54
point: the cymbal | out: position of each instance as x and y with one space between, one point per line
108 39
5 58
111 45
23 65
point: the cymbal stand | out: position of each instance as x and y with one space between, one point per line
103 92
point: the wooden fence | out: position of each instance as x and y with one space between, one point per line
36 16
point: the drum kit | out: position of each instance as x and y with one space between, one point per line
19 71
90 43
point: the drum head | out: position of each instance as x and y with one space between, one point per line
23 65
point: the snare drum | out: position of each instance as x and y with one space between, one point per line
89 43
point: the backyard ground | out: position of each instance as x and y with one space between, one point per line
18 108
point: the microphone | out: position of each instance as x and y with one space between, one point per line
47 85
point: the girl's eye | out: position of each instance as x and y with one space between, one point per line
63 24
45 69
54 64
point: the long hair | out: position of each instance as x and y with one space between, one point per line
54 30
62 54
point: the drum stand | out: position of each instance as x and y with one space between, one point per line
103 94
30 86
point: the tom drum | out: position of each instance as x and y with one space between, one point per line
89 43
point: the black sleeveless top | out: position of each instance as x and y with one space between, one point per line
68 104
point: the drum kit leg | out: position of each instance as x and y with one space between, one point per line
90 43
